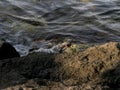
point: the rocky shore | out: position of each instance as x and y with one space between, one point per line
93 68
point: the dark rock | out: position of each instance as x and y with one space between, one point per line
8 51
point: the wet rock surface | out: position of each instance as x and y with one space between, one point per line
96 68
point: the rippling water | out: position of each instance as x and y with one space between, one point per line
36 23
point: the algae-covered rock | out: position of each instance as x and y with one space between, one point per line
95 68
77 48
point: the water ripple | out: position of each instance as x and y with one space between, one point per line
24 21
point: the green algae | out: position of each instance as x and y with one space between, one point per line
78 47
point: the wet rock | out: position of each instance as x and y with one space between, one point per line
8 51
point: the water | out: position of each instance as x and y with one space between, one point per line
30 24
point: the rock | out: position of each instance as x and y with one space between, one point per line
96 68
97 64
8 51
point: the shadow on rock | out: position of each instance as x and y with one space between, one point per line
18 71
111 78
